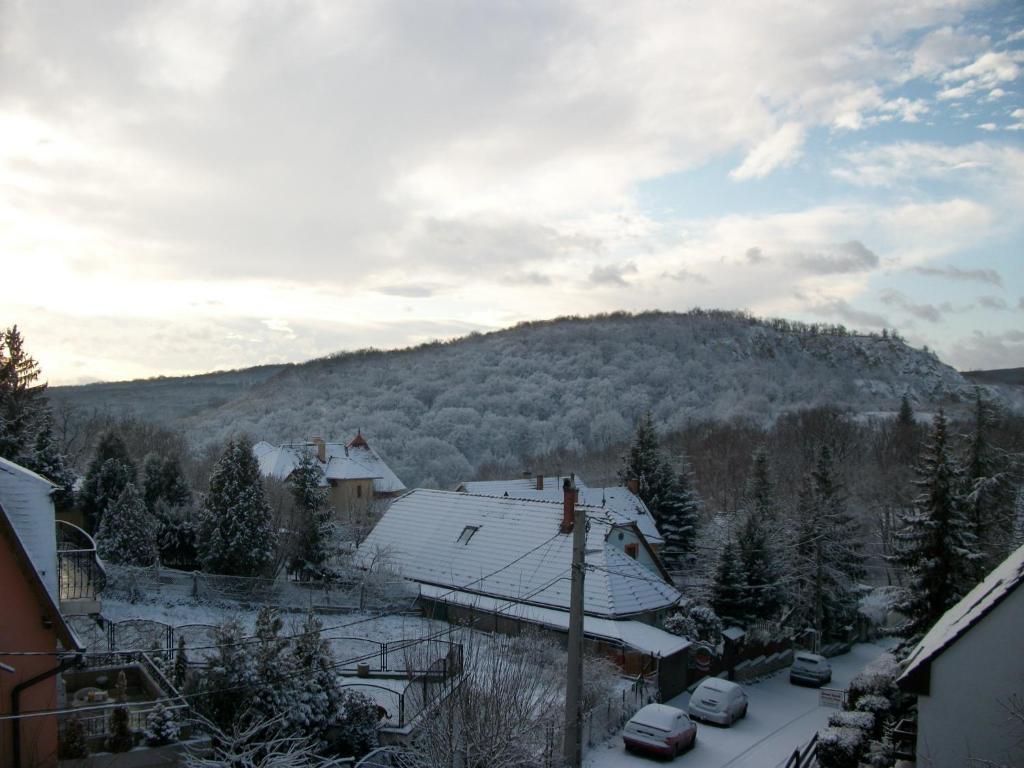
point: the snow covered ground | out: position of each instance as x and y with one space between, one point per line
782 717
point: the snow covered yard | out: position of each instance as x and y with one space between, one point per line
781 718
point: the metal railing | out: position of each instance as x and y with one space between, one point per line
803 758
81 574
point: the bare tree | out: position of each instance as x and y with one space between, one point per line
261 744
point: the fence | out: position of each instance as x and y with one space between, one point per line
356 592
80 573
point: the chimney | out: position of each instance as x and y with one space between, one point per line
540 482
568 505
634 486
321 449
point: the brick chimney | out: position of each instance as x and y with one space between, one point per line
540 482
569 493
634 486
321 449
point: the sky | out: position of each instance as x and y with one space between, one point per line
191 186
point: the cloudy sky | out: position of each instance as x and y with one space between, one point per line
191 186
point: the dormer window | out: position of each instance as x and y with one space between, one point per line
632 549
467 534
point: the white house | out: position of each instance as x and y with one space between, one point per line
968 674
504 562
618 499
355 472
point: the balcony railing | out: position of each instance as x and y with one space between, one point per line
80 571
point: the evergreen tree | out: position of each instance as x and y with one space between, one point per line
22 398
179 673
936 544
647 466
127 533
762 489
47 460
109 472
761 568
680 514
905 418
316 700
163 481
161 726
312 550
223 690
730 594
119 736
988 495
236 536
273 667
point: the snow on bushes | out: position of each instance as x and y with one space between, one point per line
161 727
878 678
865 721
840 747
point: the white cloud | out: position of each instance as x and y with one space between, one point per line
984 73
780 149
988 126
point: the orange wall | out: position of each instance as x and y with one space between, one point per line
21 629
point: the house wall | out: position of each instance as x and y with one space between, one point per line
21 629
963 717
351 499
621 537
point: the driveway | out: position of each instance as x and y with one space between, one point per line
781 718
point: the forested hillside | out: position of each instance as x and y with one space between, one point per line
439 412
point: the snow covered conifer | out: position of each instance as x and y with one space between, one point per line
127 533
936 544
47 460
312 502
760 567
988 497
163 481
22 400
109 472
762 489
905 417
730 595
161 726
646 464
316 701
680 513
223 689
236 536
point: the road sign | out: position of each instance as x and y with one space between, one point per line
831 697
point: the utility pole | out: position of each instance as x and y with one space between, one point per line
577 519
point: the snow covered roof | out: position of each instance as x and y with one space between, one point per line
631 634
28 522
616 499
354 461
517 486
462 541
955 622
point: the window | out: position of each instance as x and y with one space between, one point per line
359 491
467 534
632 549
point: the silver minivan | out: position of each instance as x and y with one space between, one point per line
718 701
810 669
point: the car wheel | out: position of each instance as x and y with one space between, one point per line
744 712
693 742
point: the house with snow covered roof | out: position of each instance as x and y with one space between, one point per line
32 618
968 675
355 473
618 499
503 562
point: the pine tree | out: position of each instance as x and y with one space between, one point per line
179 673
905 418
236 536
119 737
310 494
680 514
762 489
161 726
936 545
988 495
647 466
761 568
730 594
22 399
127 533
316 698
163 481
223 689
272 667
47 460
109 472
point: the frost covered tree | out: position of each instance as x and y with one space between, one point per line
127 532
646 464
760 568
936 544
236 536
762 490
109 472
221 691
47 459
905 417
680 514
163 481
312 502
988 495
730 596
22 396
161 726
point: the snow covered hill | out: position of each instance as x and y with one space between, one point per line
439 411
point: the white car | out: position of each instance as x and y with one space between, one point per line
718 701
660 729
810 668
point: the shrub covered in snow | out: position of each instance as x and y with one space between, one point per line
695 622
840 747
878 679
865 721
161 726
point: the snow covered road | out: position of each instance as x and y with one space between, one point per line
781 718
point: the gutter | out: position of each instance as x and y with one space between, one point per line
16 706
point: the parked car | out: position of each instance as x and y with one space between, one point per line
718 701
661 730
810 669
